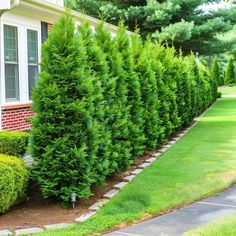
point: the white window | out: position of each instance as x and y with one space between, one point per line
11 63
33 70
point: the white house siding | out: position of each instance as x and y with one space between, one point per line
14 113
23 21
27 15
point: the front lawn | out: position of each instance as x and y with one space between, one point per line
227 90
222 227
201 164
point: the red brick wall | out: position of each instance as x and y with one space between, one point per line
15 117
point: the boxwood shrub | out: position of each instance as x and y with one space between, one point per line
13 181
13 143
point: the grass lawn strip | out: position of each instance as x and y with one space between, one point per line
201 164
222 227
227 90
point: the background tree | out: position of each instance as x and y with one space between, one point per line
191 25
230 73
215 72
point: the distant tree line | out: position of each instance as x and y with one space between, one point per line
190 25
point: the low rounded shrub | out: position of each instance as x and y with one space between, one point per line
13 143
219 94
13 181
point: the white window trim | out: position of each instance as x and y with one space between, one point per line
0 75
3 91
39 55
22 62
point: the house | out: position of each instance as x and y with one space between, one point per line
24 26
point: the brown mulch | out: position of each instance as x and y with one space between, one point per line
37 211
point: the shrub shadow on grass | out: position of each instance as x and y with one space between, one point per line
134 202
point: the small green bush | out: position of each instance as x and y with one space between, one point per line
13 181
13 143
219 94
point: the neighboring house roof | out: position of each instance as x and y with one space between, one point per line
51 8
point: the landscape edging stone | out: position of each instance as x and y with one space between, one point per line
95 207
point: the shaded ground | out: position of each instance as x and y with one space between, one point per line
37 211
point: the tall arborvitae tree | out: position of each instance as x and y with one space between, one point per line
135 102
120 114
215 72
163 106
165 56
143 67
213 76
183 93
208 87
98 69
197 83
230 78
64 126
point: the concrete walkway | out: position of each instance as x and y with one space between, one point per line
184 219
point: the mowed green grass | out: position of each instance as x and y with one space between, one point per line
201 164
222 227
227 90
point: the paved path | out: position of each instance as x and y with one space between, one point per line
184 219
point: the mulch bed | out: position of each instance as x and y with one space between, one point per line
37 211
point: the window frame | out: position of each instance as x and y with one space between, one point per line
32 64
16 63
22 25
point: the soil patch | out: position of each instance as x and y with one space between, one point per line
37 211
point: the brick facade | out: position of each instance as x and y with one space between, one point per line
16 117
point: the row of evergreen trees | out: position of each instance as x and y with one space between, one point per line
101 101
228 77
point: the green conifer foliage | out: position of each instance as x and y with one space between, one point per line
214 77
135 103
168 92
208 87
149 93
163 106
120 114
183 93
197 92
230 78
97 66
64 137
102 100
215 70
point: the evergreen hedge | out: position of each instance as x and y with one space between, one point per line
230 77
103 100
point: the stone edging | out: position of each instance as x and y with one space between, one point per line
111 193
